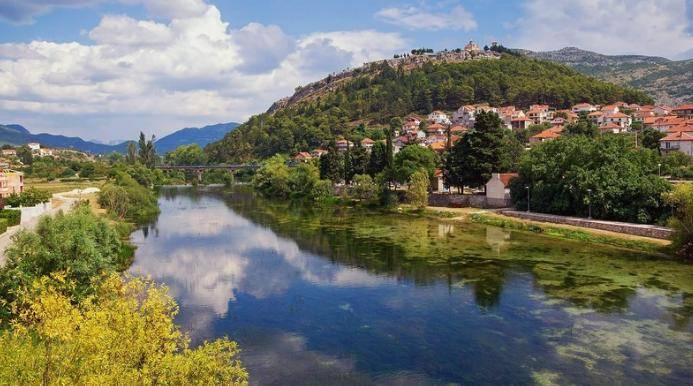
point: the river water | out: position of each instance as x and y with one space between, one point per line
346 296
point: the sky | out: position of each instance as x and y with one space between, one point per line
108 69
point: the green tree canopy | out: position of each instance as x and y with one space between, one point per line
623 180
413 158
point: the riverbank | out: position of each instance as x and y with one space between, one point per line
59 201
569 232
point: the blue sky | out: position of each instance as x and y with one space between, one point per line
107 69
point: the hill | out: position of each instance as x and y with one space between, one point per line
375 93
669 82
18 135
201 136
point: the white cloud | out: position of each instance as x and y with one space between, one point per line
423 18
660 27
24 11
161 75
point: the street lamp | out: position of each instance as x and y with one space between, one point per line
659 169
589 198
527 188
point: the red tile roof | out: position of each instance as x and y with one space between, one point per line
506 177
678 136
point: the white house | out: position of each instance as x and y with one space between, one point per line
583 108
498 190
620 119
439 117
681 141
34 147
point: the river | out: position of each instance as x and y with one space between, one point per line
347 296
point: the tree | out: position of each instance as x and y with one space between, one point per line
651 137
359 161
25 156
331 165
413 158
477 154
348 166
363 188
125 335
272 179
583 126
681 199
377 159
417 193
131 157
147 151
302 180
186 155
623 180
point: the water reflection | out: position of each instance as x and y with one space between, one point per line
341 297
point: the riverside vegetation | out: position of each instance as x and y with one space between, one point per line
69 316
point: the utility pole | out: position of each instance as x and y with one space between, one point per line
528 200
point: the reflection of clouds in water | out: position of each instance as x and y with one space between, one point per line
206 252
284 359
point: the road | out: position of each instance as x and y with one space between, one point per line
62 201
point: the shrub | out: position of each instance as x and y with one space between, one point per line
79 243
323 191
302 179
417 193
127 199
681 198
13 217
272 179
3 225
29 197
363 188
124 335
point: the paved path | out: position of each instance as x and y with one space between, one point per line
64 201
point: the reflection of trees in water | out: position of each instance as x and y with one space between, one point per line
419 250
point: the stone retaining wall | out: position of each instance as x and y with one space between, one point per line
653 231
465 201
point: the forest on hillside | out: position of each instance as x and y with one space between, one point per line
384 92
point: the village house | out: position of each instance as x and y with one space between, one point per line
317 153
663 124
596 117
610 109
342 144
611 127
45 152
661 110
520 123
34 147
439 117
367 144
546 135
498 190
436 129
9 152
618 118
683 111
679 141
11 182
303 157
539 114
583 108
437 183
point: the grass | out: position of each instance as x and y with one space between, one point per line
58 186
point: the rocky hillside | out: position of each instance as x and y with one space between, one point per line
406 63
356 103
667 81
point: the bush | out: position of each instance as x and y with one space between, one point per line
323 191
681 198
13 217
3 225
127 199
417 193
272 179
29 197
363 188
79 243
124 335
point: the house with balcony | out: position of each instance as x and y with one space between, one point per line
679 141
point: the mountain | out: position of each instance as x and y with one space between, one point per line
201 136
18 135
668 81
361 101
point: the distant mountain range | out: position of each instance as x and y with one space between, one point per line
667 81
18 135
